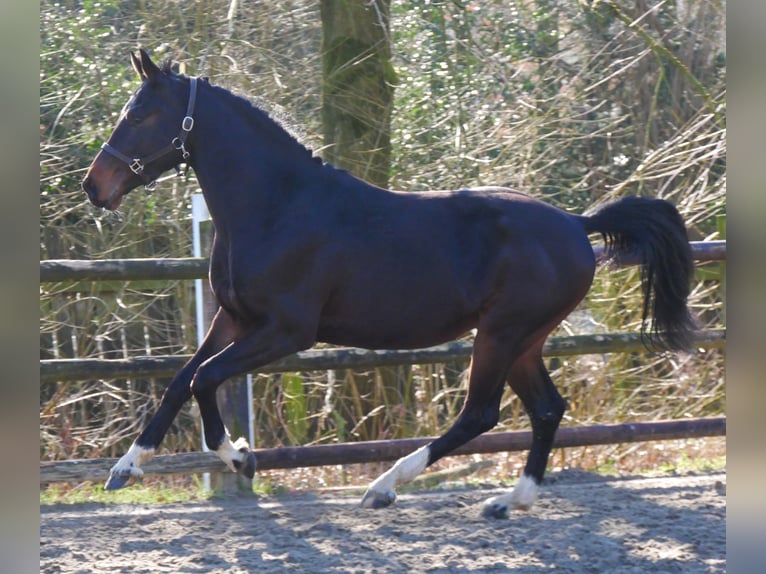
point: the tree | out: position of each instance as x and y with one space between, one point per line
357 87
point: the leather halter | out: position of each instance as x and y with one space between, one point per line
138 164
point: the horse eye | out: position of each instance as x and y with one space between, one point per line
134 115
135 118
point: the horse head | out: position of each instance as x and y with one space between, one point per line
150 136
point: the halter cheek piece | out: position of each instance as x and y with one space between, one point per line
138 164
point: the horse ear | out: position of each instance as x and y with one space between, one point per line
143 65
136 65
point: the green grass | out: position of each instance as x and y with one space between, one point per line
154 491
682 466
689 464
150 491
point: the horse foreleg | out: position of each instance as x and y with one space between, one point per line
530 381
479 414
128 467
248 352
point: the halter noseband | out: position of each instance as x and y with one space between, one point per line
138 164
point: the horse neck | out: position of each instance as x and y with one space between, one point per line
241 162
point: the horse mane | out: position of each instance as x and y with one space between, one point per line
266 116
166 66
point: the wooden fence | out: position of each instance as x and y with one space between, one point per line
387 450
62 271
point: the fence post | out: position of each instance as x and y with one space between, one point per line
233 397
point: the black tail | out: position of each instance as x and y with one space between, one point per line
654 230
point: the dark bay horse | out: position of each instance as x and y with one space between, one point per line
304 252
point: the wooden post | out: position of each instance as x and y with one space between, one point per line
233 404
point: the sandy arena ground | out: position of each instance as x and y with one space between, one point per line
582 523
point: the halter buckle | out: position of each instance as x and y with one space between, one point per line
187 124
179 145
136 166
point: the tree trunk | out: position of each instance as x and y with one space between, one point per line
357 87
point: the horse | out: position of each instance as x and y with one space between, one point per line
305 253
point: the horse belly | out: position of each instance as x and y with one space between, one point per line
382 318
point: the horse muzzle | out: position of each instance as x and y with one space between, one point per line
93 191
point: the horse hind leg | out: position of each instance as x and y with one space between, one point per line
545 407
479 414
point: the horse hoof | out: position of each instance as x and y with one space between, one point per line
494 510
118 480
377 499
247 467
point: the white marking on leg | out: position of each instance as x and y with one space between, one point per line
229 451
522 497
131 461
524 494
405 469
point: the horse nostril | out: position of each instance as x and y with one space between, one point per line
88 188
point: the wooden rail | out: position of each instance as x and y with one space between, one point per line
388 450
52 370
61 270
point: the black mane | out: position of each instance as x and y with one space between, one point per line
166 66
275 124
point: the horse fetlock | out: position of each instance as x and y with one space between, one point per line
524 493
522 497
238 456
500 506
381 492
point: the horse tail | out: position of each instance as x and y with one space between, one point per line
653 230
